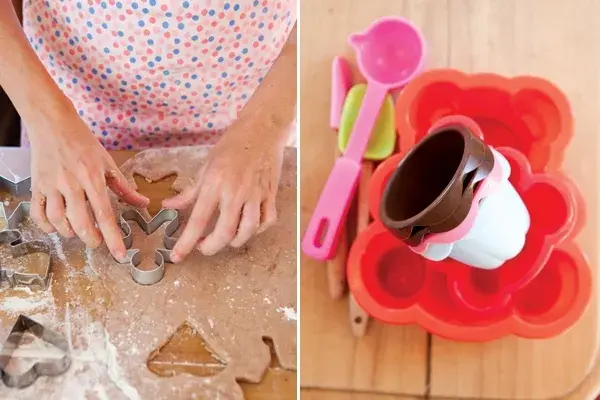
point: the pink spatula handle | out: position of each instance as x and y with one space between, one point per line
365 121
320 238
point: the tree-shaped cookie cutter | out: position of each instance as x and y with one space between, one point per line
13 238
161 255
50 367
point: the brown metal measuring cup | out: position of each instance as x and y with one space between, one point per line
431 190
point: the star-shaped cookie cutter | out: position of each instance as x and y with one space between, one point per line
13 238
161 255
51 367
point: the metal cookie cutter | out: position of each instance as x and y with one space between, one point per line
52 367
161 255
13 238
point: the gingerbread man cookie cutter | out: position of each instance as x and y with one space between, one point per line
51 367
161 255
13 238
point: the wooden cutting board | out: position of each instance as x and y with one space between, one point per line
548 38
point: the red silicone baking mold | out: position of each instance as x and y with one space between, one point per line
397 286
556 210
525 113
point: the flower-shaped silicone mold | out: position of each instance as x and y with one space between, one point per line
526 113
395 285
556 211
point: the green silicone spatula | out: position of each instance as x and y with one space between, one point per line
383 139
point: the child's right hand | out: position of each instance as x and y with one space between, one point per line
68 165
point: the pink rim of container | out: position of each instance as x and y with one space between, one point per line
487 187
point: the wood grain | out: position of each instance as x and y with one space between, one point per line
387 359
547 38
314 394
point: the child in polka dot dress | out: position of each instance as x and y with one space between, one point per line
92 75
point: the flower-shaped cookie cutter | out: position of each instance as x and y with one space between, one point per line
50 367
13 238
161 255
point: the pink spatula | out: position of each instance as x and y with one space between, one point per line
389 53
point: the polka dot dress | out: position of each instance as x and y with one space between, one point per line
158 73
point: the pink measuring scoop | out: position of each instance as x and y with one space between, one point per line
390 53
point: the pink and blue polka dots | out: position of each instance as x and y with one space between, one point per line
158 73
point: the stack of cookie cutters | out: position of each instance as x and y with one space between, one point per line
15 178
389 54
540 292
450 197
51 367
13 238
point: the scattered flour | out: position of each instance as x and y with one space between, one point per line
267 300
41 300
96 364
58 248
176 283
289 313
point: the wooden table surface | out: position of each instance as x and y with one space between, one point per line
188 349
548 38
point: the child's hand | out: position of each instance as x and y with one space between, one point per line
69 165
240 176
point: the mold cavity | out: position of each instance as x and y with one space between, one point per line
484 282
540 111
423 175
434 101
508 131
185 352
496 105
401 273
551 214
153 189
544 292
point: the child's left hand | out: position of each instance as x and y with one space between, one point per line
240 176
